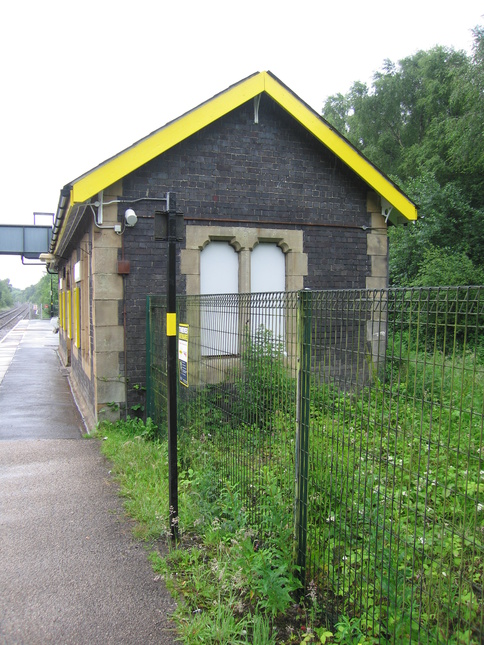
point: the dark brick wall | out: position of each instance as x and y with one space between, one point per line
273 171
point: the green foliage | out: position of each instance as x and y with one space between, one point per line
447 267
396 490
401 502
138 408
219 626
227 569
44 292
264 386
395 482
6 297
422 122
232 585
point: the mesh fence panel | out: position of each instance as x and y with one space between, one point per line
356 418
241 397
156 357
395 530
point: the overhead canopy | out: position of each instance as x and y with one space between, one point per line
27 241
107 173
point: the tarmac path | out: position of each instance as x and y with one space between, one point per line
70 570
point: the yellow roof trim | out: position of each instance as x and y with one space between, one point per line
341 148
173 133
165 138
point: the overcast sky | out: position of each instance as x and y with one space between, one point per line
81 81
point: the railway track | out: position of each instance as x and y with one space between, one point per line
11 317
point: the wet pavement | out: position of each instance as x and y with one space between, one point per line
35 397
70 570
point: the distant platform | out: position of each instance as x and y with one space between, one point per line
35 396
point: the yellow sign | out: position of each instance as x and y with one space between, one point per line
171 324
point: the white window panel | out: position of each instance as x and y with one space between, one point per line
219 274
267 276
267 269
219 269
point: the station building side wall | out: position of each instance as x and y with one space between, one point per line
238 173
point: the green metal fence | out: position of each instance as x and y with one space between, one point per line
355 417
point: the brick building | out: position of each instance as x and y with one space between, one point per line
259 178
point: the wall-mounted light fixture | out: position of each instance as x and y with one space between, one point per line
130 217
47 257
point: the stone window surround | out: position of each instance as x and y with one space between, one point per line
243 240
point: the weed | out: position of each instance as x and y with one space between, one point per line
395 481
140 466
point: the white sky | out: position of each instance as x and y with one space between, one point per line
82 80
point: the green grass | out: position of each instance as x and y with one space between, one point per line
229 589
395 536
140 466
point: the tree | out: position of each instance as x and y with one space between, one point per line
466 134
422 122
6 298
451 268
40 293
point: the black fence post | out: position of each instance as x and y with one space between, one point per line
172 367
302 430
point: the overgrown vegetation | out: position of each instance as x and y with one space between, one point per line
45 291
422 122
400 548
395 547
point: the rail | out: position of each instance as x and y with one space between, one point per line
13 315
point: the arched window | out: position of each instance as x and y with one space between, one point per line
219 274
219 269
267 268
268 279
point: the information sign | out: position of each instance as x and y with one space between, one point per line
183 353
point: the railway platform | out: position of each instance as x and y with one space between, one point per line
70 570
35 397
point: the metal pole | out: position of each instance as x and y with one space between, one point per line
302 430
172 365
